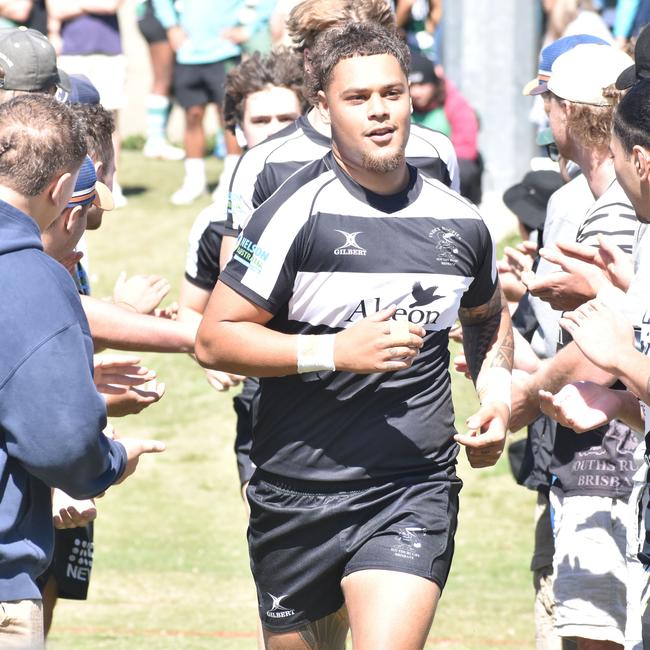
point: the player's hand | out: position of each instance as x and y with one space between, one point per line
585 274
71 513
130 400
369 346
176 37
120 369
561 289
603 335
237 35
141 293
70 261
222 381
460 365
581 406
520 258
135 447
170 312
486 438
612 260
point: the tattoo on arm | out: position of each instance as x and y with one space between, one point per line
480 332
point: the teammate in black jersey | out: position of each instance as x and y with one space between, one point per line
340 295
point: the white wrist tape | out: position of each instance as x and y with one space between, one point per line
315 352
495 385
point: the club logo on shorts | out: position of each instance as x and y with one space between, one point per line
410 536
445 241
350 247
277 610
410 543
80 560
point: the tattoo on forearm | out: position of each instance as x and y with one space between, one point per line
505 352
480 329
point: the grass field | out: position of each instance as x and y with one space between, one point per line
171 569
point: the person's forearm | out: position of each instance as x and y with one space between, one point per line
633 369
114 327
567 366
246 349
630 410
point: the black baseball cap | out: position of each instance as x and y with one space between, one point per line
28 60
528 199
421 71
641 68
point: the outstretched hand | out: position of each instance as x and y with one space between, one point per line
135 447
581 406
71 513
126 386
615 263
141 293
602 334
378 343
222 381
486 438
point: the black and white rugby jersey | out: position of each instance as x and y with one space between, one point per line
263 168
321 254
202 260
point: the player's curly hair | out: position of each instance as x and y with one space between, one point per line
281 67
354 39
311 17
98 126
593 124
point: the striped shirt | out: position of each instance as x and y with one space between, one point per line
611 215
263 168
320 255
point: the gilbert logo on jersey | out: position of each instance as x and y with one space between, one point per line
350 247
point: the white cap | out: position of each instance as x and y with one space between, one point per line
581 74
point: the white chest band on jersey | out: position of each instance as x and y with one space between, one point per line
495 385
315 352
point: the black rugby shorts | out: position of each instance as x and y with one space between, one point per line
150 27
304 537
72 562
245 405
202 83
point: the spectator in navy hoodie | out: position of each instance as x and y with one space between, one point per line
51 416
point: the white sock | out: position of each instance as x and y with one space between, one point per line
195 170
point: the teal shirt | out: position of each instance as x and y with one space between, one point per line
435 119
204 20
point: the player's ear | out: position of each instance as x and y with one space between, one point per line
323 107
99 166
641 162
60 190
72 217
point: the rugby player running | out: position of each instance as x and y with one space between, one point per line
340 296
